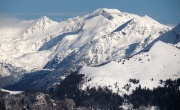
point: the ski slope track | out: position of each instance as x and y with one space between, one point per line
41 53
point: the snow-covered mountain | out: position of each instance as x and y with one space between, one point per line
160 63
43 47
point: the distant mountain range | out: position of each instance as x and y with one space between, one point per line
107 46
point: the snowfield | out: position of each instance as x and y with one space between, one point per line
160 63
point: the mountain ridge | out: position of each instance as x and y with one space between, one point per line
102 36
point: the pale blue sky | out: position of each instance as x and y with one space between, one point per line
164 11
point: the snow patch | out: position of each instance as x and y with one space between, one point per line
11 92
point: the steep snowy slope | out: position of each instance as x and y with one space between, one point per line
97 38
102 39
173 36
28 40
160 63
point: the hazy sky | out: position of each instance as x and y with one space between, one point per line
164 11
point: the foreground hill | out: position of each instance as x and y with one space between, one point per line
161 62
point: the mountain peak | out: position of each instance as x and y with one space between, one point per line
44 20
106 10
38 25
107 13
